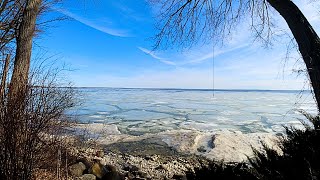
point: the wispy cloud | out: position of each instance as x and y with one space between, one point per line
192 57
92 24
128 12
152 54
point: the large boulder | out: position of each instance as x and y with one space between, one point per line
76 170
86 162
112 173
98 170
107 172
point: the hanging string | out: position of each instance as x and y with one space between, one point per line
213 54
213 70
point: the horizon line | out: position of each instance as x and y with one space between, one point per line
207 89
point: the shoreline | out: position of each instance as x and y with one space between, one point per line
165 155
224 145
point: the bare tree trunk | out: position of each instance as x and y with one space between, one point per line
18 91
19 79
4 76
307 39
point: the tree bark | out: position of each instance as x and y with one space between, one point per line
4 77
306 38
18 88
19 79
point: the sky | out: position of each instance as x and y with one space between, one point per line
109 44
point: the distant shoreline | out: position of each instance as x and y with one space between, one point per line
204 90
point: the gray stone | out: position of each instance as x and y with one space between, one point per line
88 177
76 170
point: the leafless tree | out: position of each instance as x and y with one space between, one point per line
32 105
185 22
18 27
28 136
9 18
24 41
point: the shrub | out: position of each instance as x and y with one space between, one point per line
29 126
234 171
300 159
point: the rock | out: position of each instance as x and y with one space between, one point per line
98 170
129 175
201 149
86 162
130 168
110 168
151 157
112 173
76 170
103 162
148 158
161 167
88 177
142 174
211 143
100 153
179 177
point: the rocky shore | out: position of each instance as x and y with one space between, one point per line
125 166
165 155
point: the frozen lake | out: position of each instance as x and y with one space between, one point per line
140 111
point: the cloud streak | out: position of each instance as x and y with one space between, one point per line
152 54
191 58
104 29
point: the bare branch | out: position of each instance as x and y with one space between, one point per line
184 23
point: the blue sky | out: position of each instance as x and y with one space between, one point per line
107 44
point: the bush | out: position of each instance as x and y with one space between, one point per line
234 171
300 159
30 124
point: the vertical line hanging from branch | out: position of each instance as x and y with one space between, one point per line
213 53
213 88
